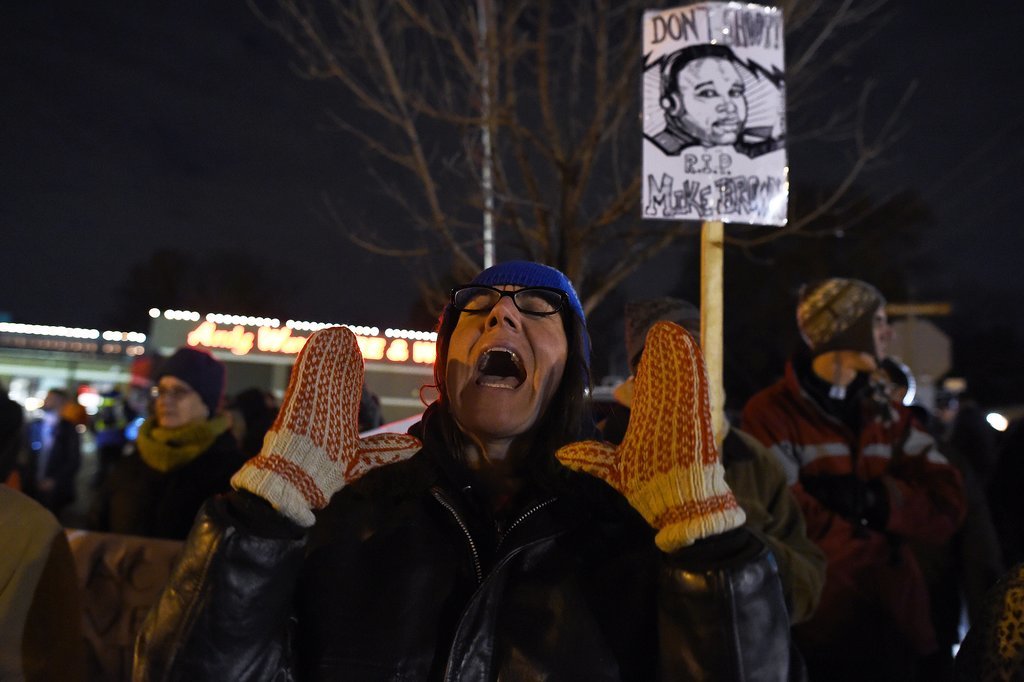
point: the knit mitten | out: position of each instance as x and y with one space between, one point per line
313 449
668 465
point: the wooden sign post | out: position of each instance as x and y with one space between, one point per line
712 235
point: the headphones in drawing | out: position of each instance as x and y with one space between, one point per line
672 64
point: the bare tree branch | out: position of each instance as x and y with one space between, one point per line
867 152
367 245
563 89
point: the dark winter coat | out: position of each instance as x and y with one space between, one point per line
139 500
406 577
864 495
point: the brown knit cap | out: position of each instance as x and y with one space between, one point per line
838 314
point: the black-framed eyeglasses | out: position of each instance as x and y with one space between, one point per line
532 300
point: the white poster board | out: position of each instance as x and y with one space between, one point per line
714 114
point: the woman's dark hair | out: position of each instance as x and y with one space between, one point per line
568 417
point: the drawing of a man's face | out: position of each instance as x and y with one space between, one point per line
712 103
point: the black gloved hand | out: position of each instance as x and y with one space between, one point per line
859 501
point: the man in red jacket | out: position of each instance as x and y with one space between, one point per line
868 479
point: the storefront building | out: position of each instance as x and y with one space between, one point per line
36 358
258 352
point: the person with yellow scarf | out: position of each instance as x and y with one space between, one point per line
184 453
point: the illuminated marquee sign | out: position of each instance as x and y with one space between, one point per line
284 340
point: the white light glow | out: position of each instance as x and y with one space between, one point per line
410 334
187 315
363 331
297 325
997 421
134 337
49 330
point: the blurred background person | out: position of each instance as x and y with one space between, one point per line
60 453
40 612
965 430
1005 497
870 481
42 432
370 415
109 428
184 453
252 412
961 572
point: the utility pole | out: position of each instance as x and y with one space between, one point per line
484 13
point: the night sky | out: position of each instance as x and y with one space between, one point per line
132 127
139 126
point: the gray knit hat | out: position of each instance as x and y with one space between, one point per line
641 316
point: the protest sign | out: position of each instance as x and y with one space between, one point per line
714 114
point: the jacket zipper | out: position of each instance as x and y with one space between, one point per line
525 515
440 497
477 567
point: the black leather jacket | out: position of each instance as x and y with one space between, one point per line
406 577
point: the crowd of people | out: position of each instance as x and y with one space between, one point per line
837 532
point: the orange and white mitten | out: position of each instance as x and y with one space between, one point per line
313 449
667 465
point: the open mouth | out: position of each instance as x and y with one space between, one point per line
500 368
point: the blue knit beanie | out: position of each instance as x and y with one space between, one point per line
204 373
527 274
